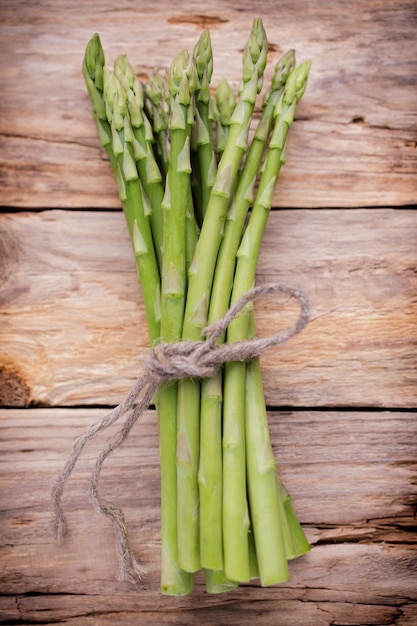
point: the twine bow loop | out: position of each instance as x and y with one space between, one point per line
202 359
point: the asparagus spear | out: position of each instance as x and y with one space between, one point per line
204 262
115 135
260 467
142 140
296 543
267 513
202 268
158 109
206 165
243 197
277 533
210 471
248 252
131 193
158 103
224 104
181 84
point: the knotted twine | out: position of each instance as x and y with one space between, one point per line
166 362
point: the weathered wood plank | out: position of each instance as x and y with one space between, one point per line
85 610
361 570
73 328
352 145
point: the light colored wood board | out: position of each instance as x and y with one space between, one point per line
361 570
367 275
73 328
354 140
250 605
362 460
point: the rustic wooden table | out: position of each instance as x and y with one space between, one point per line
342 395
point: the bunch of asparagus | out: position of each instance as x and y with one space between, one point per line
196 172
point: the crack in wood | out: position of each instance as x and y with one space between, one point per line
200 20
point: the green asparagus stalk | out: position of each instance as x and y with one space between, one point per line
277 533
157 105
244 195
131 193
114 131
267 512
142 145
296 543
210 474
224 104
248 252
259 465
202 268
206 165
234 448
181 84
173 579
211 397
93 71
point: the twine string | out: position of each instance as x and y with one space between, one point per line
167 361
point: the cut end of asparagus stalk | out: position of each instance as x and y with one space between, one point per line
174 581
216 582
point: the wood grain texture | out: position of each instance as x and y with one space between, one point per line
73 329
354 141
362 568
